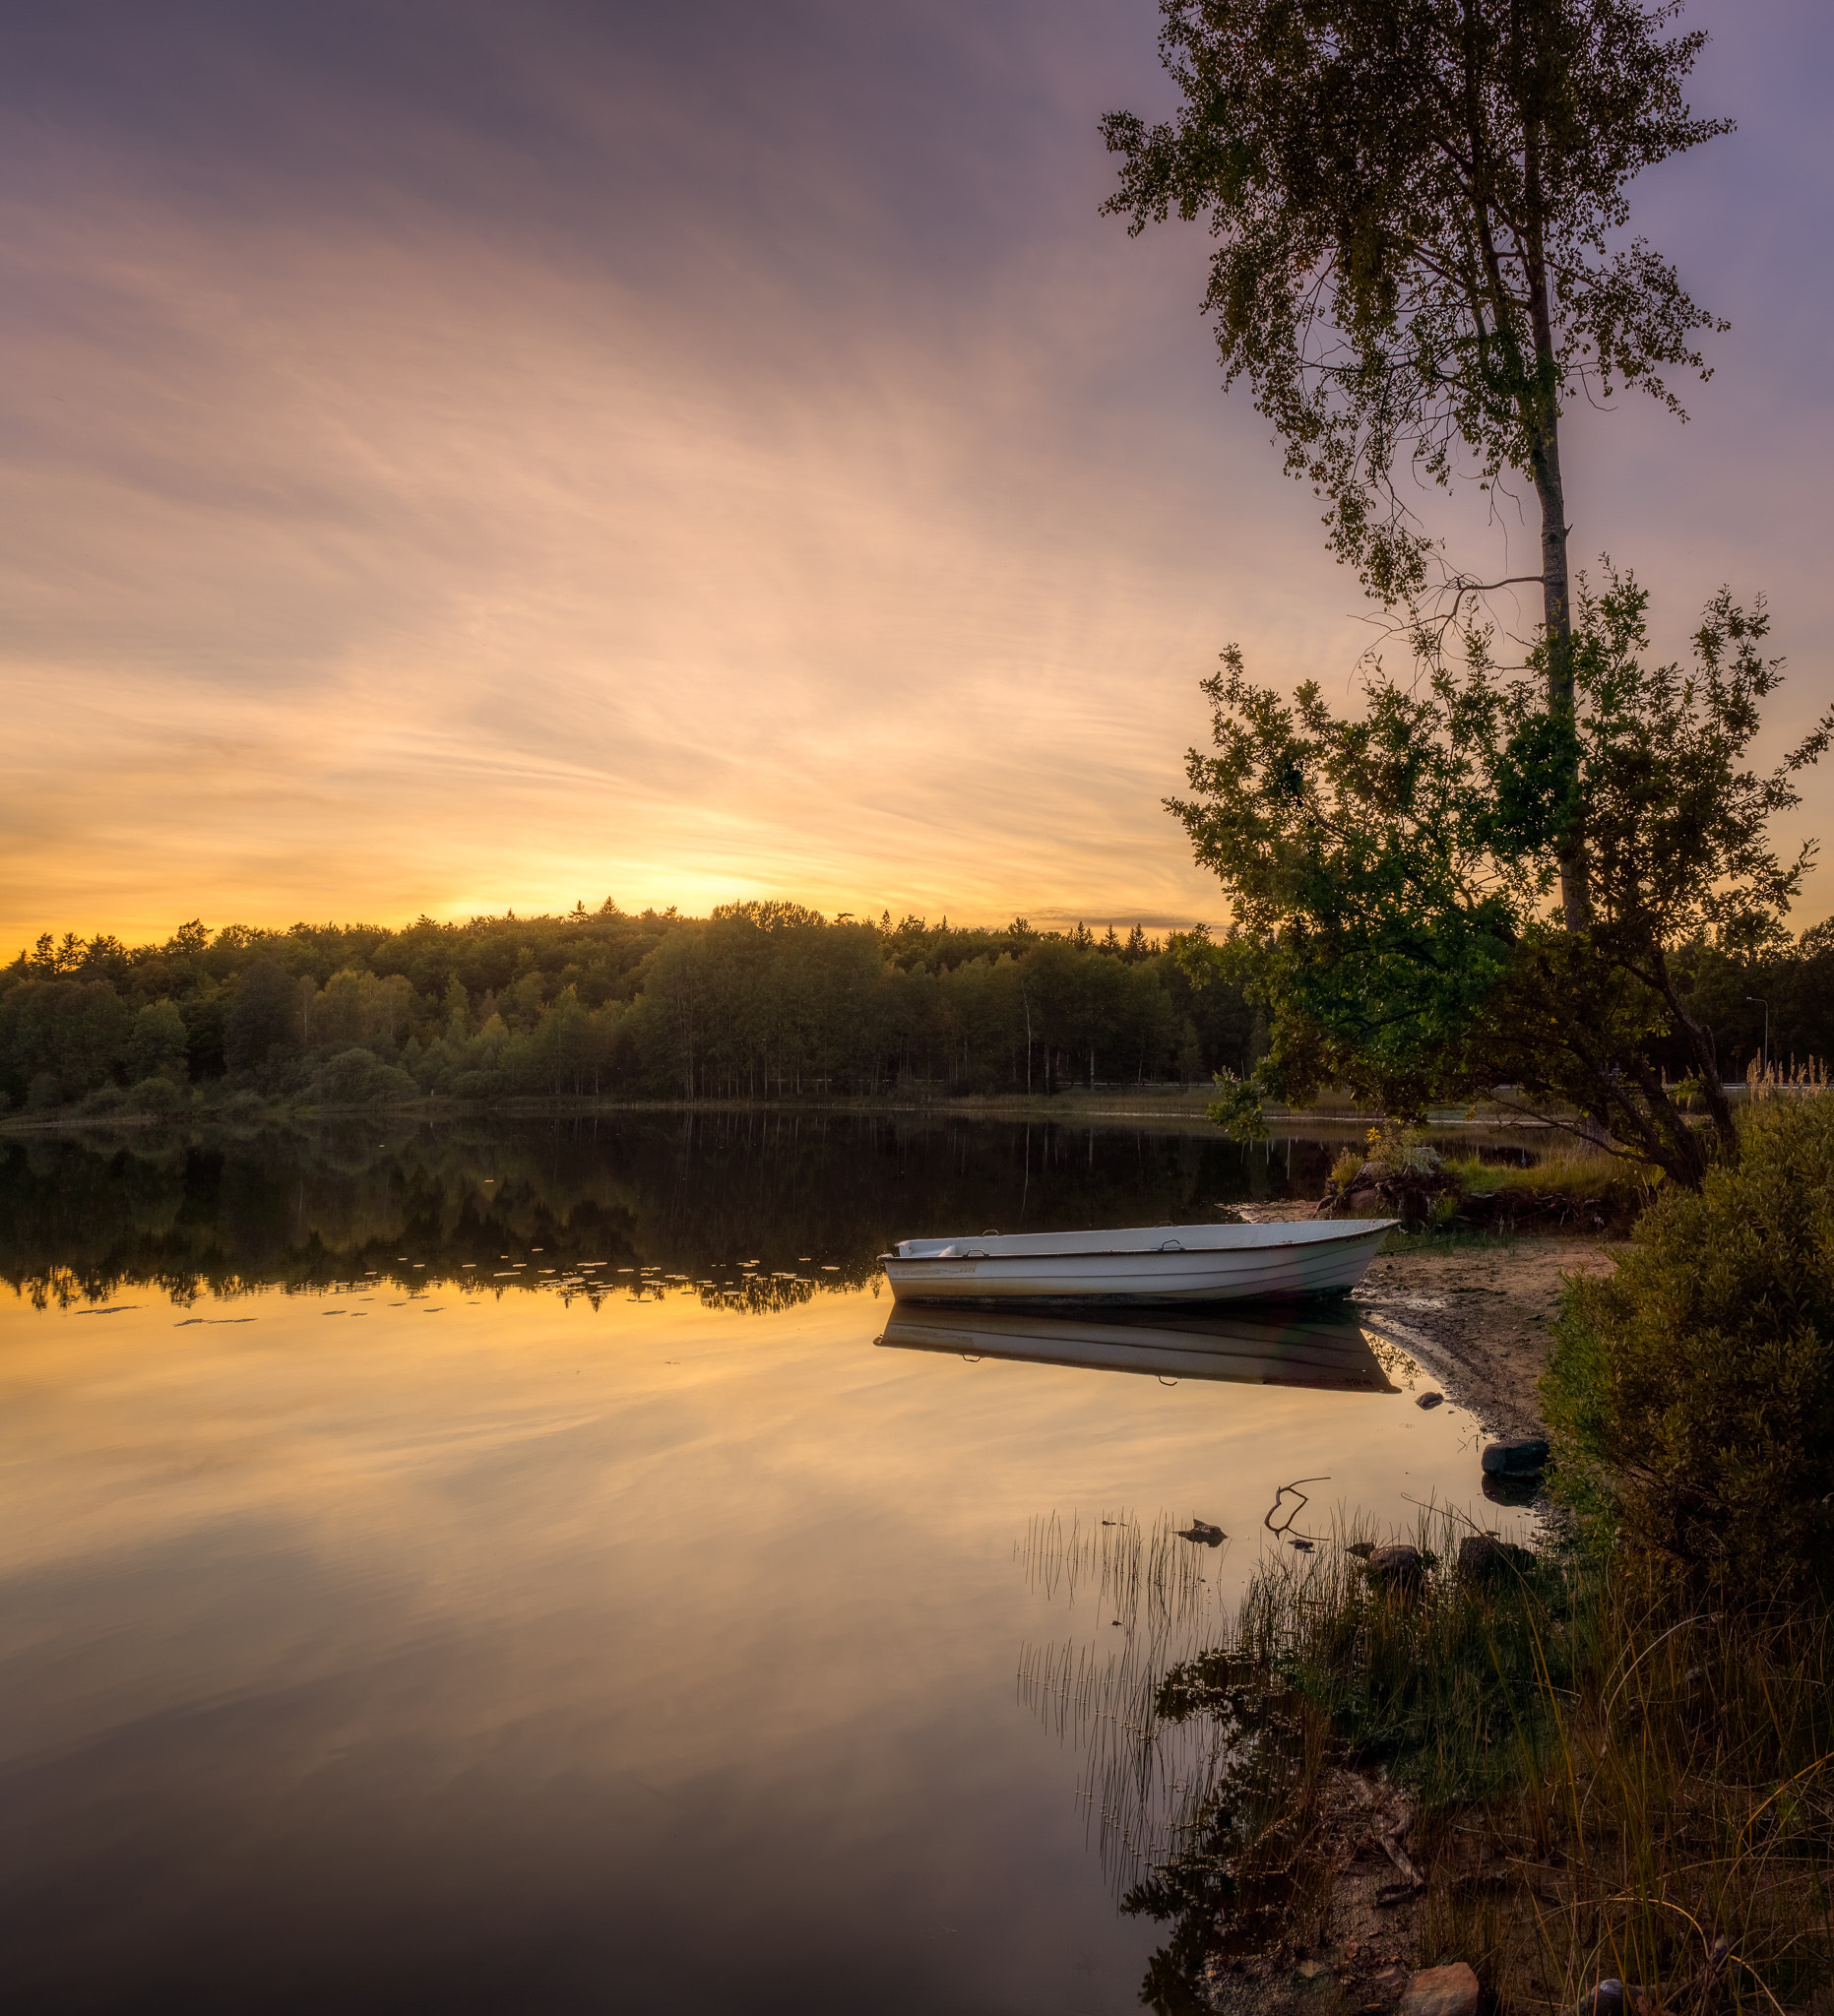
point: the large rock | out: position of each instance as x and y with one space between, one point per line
1442 1991
1482 1558
1515 1459
1395 1564
1412 1197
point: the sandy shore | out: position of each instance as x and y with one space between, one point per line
1478 1316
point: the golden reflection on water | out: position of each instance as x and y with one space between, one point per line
728 1590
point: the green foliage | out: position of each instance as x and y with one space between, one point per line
153 1096
360 1078
60 1037
1391 873
760 1000
158 1047
1412 205
1399 1151
263 1015
1690 1394
1730 987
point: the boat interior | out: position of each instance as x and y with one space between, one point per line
1147 1238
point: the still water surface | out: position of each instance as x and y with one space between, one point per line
390 1624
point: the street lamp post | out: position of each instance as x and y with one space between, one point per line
1758 1001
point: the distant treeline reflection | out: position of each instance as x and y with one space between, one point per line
763 1208
758 1001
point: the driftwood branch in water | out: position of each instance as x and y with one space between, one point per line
1293 1489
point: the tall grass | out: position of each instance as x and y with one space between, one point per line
1605 1782
1566 1164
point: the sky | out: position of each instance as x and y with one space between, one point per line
461 456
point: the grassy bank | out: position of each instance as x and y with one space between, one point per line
1608 1760
1560 1184
1569 1184
1601 1781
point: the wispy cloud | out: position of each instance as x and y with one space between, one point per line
461 458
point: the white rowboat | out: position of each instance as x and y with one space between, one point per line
1139 1266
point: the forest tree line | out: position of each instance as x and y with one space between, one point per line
756 1001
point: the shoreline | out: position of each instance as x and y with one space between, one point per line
1181 1111
1477 1313
1475 1309
1480 1316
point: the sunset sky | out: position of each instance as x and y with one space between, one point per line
465 454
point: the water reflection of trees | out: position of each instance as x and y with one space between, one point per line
1189 1756
810 1198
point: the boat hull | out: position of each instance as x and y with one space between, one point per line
1178 1272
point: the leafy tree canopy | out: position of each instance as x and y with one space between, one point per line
1392 874
1417 209
1412 202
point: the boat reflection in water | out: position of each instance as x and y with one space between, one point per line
1320 1345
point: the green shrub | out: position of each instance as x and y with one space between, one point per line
473 1084
1690 1395
360 1078
241 1106
1398 1151
154 1096
156 1045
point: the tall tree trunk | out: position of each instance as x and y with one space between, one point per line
1543 405
1558 630
1703 1054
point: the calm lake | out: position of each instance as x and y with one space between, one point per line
524 1567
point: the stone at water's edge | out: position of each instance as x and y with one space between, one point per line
1394 1564
1442 1991
1515 1459
1482 1555
1616 1998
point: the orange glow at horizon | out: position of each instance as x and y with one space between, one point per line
611 477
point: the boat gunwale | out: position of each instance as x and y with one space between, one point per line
1358 1228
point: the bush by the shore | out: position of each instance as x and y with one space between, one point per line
1690 1394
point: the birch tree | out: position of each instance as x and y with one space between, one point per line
1420 210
